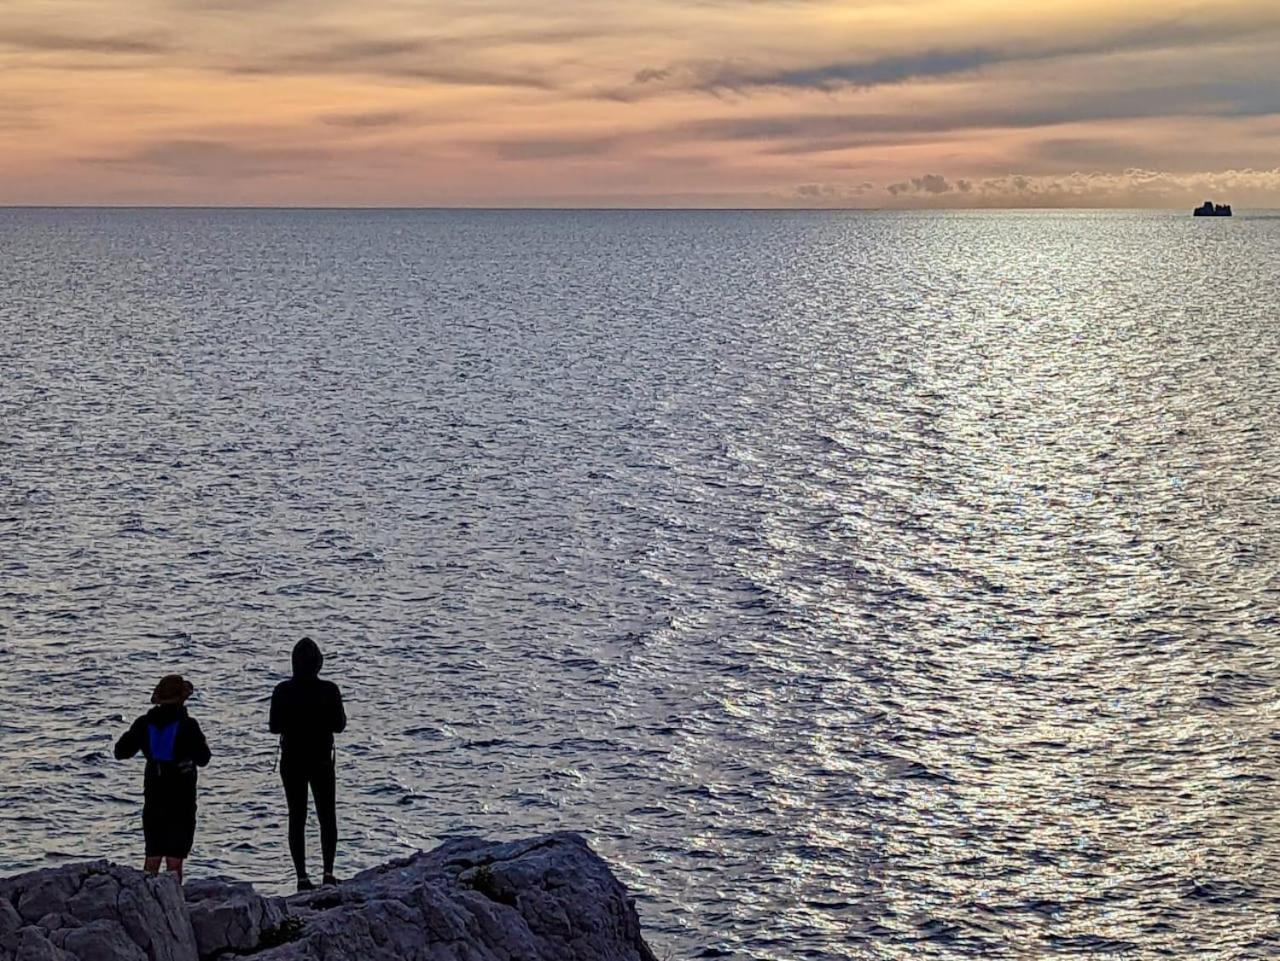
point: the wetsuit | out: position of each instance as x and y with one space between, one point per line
169 784
307 712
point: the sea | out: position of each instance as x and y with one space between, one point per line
859 584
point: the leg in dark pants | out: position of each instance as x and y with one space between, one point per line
294 777
324 791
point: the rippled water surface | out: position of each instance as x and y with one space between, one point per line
863 585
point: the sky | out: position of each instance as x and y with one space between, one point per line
653 103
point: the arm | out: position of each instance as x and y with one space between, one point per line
130 742
339 719
273 721
199 746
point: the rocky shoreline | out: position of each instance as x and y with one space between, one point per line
544 899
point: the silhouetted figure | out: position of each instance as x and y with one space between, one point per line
174 747
307 712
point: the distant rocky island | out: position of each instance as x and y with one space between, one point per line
545 899
1210 209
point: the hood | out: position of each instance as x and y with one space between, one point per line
307 659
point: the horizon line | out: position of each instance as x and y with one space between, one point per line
502 208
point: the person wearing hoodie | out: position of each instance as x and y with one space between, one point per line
307 712
174 746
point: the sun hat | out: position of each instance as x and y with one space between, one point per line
172 689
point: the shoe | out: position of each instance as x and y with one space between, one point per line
330 880
304 884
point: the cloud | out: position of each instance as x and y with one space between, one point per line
214 159
1087 110
423 59
550 148
1117 150
357 51
20 113
132 44
745 75
241 6
15 120
369 119
928 184
827 194
741 76
1136 187
780 100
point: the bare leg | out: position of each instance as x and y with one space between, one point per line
174 865
151 865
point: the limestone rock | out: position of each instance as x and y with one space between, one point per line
30 944
545 899
230 917
94 912
10 920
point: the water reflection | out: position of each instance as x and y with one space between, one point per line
876 586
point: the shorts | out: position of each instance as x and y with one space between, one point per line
168 832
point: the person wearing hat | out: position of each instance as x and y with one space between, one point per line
307 712
174 746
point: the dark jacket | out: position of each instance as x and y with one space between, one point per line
167 782
305 711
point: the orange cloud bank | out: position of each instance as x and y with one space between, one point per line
710 103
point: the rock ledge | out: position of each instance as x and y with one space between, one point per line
544 899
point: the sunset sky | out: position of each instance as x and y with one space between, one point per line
655 103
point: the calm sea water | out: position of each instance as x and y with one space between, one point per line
862 585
